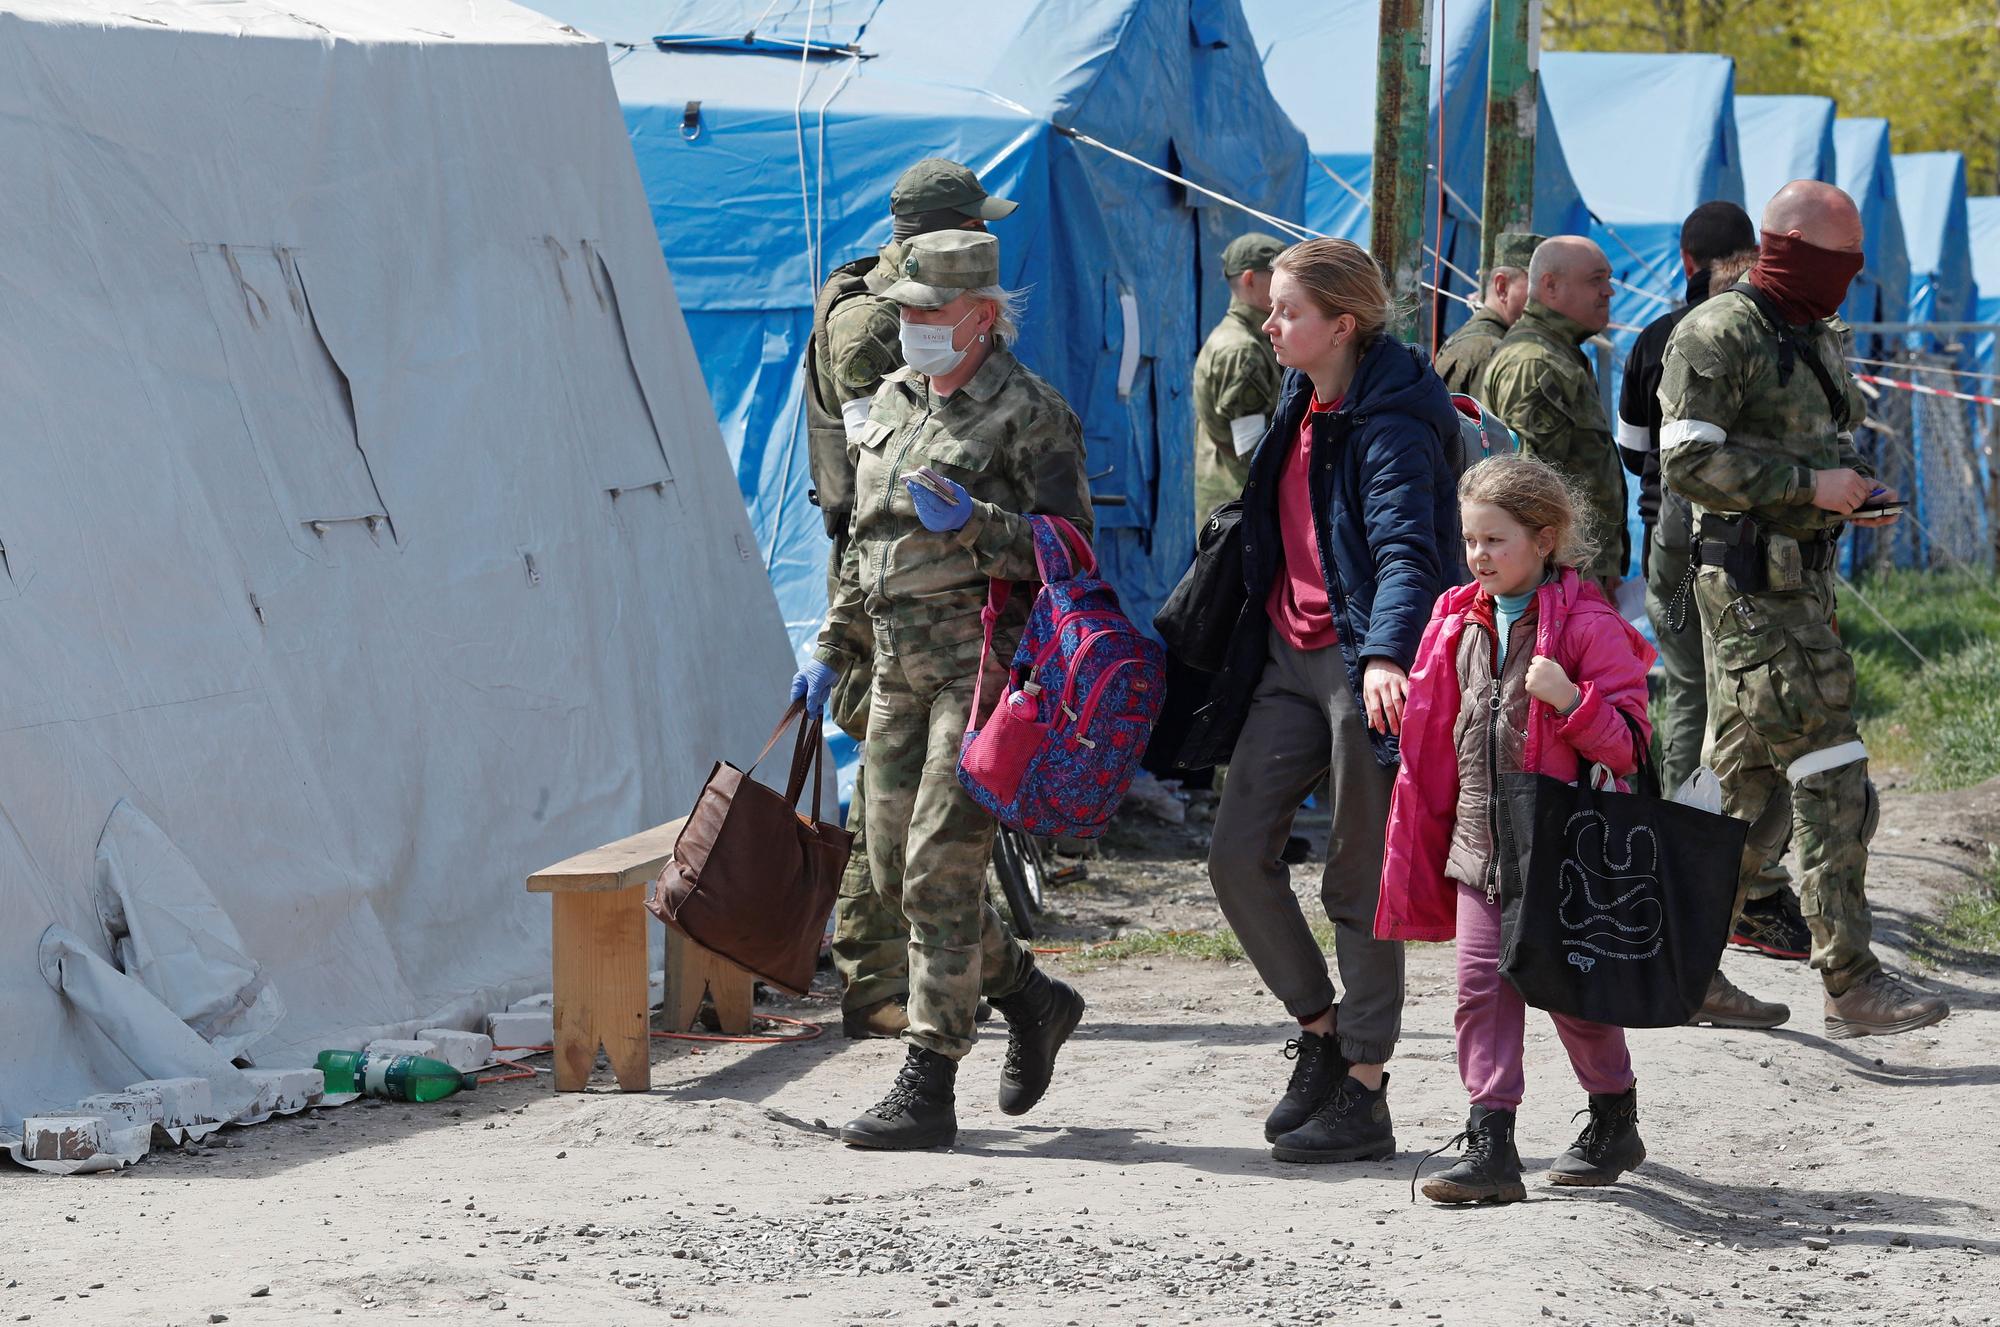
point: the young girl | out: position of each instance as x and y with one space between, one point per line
1527 668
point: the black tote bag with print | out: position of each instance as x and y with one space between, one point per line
1615 905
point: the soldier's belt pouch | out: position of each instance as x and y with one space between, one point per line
1733 543
1784 563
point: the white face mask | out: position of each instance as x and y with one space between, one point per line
927 347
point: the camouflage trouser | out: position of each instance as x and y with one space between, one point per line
871 945
929 843
1781 694
1216 479
1683 709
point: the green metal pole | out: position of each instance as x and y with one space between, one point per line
1513 77
1402 118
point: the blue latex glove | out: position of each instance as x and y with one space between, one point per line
934 511
813 684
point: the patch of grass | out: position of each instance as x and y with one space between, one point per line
1970 925
1941 720
1219 945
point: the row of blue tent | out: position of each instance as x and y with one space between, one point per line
768 134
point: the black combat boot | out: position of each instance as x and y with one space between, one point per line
917 1114
1353 1125
1040 1016
1490 1170
1608 1146
1318 1069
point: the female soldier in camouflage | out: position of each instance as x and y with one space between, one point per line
994 442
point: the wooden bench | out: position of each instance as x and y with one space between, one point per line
599 952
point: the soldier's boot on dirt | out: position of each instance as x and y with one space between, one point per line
1728 1005
1040 1016
1353 1125
1773 926
884 1018
1317 1069
1880 1005
1609 1144
1490 1169
918 1113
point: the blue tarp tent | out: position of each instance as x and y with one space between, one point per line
1882 292
1982 217
1783 139
1338 116
1930 191
765 167
1647 138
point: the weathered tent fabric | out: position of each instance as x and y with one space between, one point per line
1867 172
1930 191
1782 139
1320 61
363 549
1983 238
784 171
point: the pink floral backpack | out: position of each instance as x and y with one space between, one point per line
1060 747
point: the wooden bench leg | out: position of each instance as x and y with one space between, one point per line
692 972
600 986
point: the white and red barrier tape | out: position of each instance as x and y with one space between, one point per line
1920 389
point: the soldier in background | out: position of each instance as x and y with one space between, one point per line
1718 245
1236 376
854 345
1462 359
1757 410
1541 383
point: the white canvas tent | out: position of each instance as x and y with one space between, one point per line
368 538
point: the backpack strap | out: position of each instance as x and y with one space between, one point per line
1793 347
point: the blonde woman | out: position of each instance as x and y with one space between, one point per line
1349 518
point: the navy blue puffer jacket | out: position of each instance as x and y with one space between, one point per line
1384 504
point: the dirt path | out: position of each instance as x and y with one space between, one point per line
1140 1192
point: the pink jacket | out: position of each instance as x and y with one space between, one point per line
1603 655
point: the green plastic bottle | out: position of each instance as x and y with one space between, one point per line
397 1077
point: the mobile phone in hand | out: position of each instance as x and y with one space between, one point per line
935 482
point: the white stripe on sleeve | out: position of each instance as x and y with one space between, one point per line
1678 431
1634 437
1246 433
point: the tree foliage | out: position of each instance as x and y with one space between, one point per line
1931 67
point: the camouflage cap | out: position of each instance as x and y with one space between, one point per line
1514 248
937 185
940 266
1251 252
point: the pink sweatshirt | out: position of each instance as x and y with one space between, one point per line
1602 654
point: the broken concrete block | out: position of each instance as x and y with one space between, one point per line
62 1137
546 1000
392 1046
130 1109
184 1102
284 1090
527 1027
463 1051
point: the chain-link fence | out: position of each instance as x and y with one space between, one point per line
1936 451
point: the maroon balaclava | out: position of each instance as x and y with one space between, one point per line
1806 282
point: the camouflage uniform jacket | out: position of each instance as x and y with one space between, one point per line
856 342
1732 439
1015 445
1462 359
1541 383
1235 375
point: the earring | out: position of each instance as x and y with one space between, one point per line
982 338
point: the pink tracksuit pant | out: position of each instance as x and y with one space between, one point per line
1491 1020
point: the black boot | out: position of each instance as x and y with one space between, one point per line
1352 1126
1608 1146
1490 1170
1040 1016
1318 1070
917 1114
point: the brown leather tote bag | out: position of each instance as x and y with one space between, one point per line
750 878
